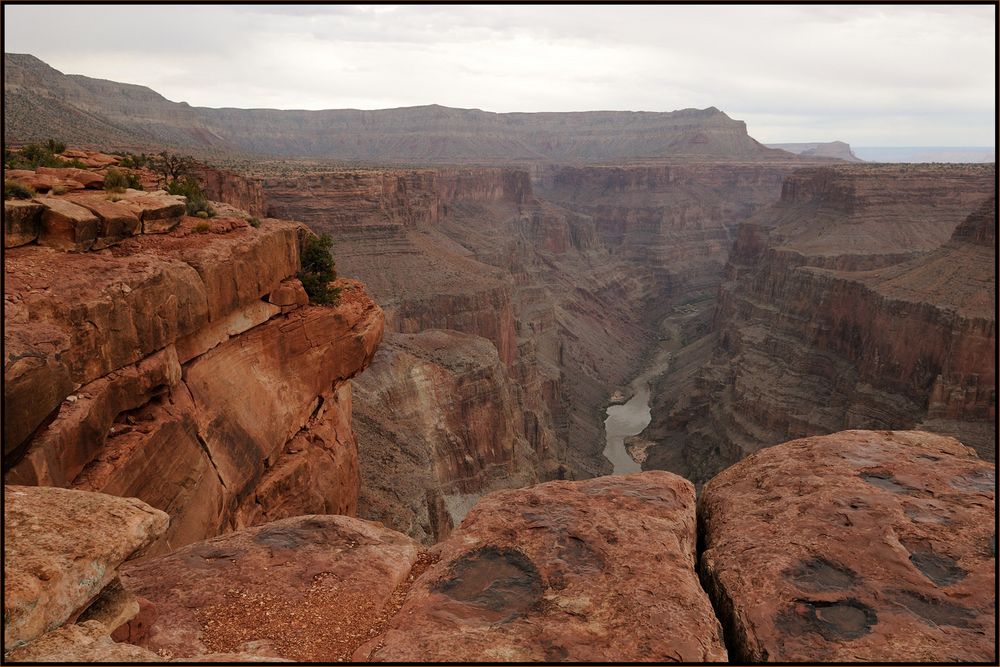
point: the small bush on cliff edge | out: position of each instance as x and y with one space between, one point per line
190 188
318 270
14 190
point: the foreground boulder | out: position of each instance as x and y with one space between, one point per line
857 546
599 570
86 642
308 588
21 222
61 548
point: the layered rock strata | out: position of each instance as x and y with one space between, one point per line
188 370
853 302
857 546
571 299
439 424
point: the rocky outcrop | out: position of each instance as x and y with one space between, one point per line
841 308
61 549
829 149
440 426
597 570
857 546
600 570
187 371
227 186
308 588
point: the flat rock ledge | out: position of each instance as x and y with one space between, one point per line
858 546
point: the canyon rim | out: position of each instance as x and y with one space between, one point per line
290 380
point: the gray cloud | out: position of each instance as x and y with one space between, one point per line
870 75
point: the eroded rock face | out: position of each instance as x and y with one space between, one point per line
170 374
599 570
61 548
437 417
21 222
308 588
861 545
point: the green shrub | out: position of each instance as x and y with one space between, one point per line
202 214
318 270
189 188
14 190
202 227
115 180
133 161
33 156
254 222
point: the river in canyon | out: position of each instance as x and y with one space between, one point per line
629 418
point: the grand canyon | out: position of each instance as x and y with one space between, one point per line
596 386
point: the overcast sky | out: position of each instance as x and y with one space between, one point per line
868 75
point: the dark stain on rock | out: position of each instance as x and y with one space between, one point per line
933 611
497 579
885 480
819 574
982 480
579 556
207 555
925 515
281 538
943 570
834 621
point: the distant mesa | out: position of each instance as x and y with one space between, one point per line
41 102
832 149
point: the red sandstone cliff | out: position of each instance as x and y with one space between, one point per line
853 302
187 370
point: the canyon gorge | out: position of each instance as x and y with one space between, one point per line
201 462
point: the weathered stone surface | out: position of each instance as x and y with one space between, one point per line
862 545
41 182
150 292
21 222
88 179
118 221
289 293
113 608
309 588
67 226
160 212
86 642
90 158
61 548
35 379
600 570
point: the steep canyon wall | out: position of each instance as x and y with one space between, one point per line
854 302
569 284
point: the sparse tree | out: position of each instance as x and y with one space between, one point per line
172 167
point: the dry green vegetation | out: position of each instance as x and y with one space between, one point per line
318 270
14 190
37 155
